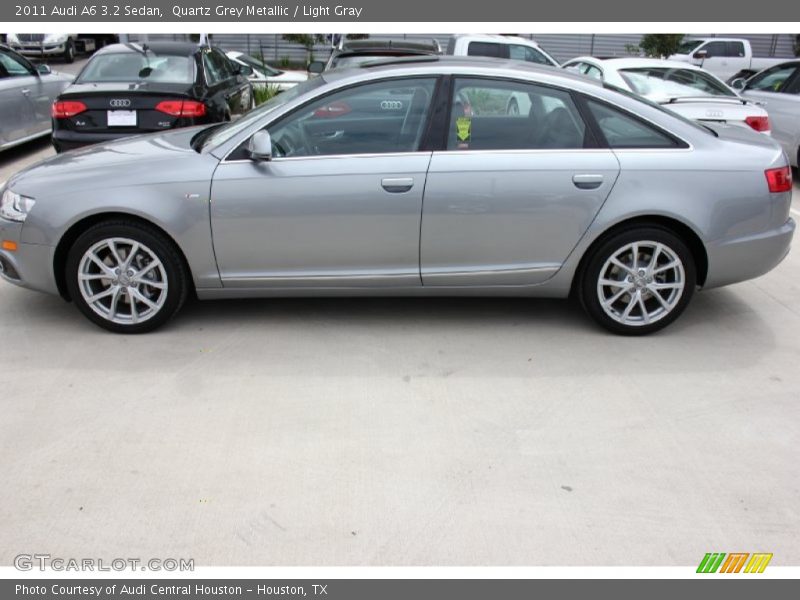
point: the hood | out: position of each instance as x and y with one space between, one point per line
126 162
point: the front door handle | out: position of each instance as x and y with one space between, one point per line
25 91
588 181
397 185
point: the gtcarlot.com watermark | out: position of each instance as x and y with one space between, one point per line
44 562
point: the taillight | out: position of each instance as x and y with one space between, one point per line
182 108
779 180
758 123
64 109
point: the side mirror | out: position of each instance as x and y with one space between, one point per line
43 69
738 83
316 67
245 70
260 146
700 55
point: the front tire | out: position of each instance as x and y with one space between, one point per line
638 280
126 277
69 52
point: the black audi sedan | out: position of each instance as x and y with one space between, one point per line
129 89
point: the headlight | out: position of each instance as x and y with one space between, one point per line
55 38
15 207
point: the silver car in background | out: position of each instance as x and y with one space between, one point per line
408 178
778 90
26 94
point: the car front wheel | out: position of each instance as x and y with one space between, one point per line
69 52
126 277
638 281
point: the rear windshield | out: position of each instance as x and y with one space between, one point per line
135 66
663 83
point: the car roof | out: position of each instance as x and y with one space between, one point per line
632 62
175 48
356 46
457 65
497 38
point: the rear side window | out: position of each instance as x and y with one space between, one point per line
736 49
621 130
489 114
487 49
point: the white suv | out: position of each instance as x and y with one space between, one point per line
499 46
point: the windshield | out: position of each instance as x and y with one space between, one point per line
657 106
227 131
663 83
258 65
134 66
688 46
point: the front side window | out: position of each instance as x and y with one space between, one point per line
11 66
622 130
772 80
375 118
715 49
506 115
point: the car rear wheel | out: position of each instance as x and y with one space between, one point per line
638 280
69 52
126 277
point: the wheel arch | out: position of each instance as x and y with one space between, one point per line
76 229
679 228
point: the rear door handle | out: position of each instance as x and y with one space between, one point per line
588 181
397 185
25 92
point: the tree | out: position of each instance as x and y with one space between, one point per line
661 45
307 40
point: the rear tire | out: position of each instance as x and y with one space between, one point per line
638 280
126 277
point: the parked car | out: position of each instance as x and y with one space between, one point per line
778 90
500 46
58 45
264 75
26 93
127 89
680 87
594 192
724 57
352 53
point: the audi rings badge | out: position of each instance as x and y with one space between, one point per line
391 105
119 103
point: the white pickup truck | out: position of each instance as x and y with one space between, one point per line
724 57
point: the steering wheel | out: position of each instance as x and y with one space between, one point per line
292 141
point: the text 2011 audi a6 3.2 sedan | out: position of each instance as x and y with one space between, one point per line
408 178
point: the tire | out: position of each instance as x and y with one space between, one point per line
651 295
157 295
69 52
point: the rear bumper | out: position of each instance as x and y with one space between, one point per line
748 257
63 139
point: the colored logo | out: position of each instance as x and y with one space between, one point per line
735 562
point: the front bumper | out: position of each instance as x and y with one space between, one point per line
740 259
34 49
30 265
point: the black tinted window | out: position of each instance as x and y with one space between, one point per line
375 118
772 80
487 49
622 130
715 49
735 49
505 115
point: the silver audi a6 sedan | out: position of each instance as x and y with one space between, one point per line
408 178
